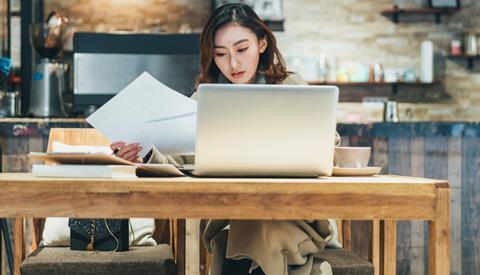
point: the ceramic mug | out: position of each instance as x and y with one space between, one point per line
352 157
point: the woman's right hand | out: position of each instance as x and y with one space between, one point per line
127 151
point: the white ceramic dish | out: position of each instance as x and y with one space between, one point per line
364 171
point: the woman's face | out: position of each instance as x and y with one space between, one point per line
237 52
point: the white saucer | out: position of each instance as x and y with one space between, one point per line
364 171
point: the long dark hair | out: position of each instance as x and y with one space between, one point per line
271 63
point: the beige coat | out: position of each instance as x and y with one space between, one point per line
277 247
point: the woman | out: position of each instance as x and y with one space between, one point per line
238 48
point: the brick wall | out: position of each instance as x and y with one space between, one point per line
353 31
133 15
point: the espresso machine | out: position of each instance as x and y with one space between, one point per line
48 79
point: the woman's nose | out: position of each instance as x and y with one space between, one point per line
234 62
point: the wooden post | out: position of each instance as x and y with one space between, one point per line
204 255
347 235
439 235
3 254
388 231
192 246
18 254
180 246
375 249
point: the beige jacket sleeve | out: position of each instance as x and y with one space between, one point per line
158 157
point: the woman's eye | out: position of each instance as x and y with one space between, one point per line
220 54
243 49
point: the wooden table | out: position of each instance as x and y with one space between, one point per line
383 197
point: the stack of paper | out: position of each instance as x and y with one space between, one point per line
149 112
84 171
96 165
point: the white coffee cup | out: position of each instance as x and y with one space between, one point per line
352 157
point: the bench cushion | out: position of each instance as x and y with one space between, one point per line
139 260
343 262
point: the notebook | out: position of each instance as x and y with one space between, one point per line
99 159
84 171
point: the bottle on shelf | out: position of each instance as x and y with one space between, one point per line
471 44
455 47
426 62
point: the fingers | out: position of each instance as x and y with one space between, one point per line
116 145
128 152
132 154
125 150
136 159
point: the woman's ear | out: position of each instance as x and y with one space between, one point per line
262 44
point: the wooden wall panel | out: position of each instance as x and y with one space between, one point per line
455 181
436 166
380 153
417 228
361 237
436 157
399 163
471 206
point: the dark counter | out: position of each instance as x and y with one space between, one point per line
35 126
411 129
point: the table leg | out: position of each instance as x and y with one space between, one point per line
204 255
439 235
347 235
375 249
389 247
18 245
192 247
7 246
2 262
180 246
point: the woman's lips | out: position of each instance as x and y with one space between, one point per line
238 75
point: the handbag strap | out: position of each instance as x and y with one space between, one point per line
92 237
90 246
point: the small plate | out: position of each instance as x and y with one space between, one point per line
364 171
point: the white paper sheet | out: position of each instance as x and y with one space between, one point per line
149 112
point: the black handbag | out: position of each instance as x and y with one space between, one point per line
99 234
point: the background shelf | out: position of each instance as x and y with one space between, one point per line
394 85
470 59
395 13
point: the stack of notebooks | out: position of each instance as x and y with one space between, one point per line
96 165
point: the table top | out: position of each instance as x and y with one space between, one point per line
375 180
379 196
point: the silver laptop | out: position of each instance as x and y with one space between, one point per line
265 130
